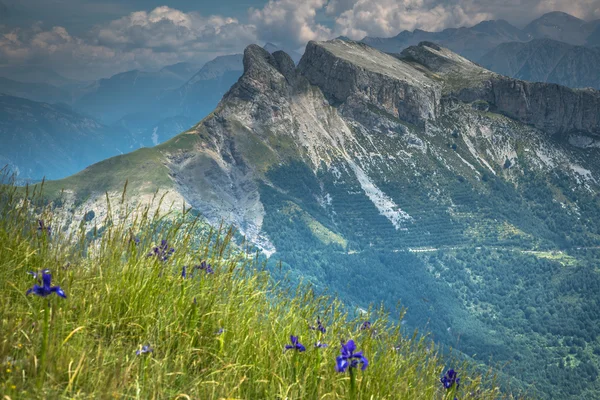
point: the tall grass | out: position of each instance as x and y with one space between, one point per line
213 336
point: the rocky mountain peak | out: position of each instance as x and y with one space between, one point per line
261 75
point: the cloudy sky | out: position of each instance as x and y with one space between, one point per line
86 39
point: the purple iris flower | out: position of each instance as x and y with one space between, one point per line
45 289
162 252
144 350
205 267
450 379
296 345
42 227
319 326
349 358
220 331
321 345
184 272
366 325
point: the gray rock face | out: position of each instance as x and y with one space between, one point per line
344 70
410 87
552 108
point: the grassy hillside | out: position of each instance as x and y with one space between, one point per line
209 335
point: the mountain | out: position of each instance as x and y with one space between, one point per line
42 92
126 93
474 42
183 70
36 74
470 42
546 60
41 140
421 178
562 27
202 92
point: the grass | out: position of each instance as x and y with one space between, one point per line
214 336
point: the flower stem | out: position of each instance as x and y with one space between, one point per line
352 384
44 351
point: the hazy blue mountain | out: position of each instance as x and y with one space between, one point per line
39 139
562 27
126 93
203 91
34 91
470 42
546 60
476 41
36 74
183 70
419 178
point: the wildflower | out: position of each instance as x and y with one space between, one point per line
184 272
162 252
205 267
42 227
319 326
296 345
450 379
220 331
321 345
144 350
45 289
349 358
366 325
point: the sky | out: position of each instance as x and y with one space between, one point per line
87 39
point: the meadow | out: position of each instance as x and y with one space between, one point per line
160 306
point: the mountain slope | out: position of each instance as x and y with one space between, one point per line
422 178
545 60
42 140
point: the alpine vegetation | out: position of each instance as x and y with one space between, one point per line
131 327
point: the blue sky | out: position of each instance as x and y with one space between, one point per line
87 39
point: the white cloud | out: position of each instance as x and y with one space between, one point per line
168 29
584 9
336 7
289 22
144 40
389 17
359 18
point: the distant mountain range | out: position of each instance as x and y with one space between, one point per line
546 60
474 42
42 140
38 74
43 92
